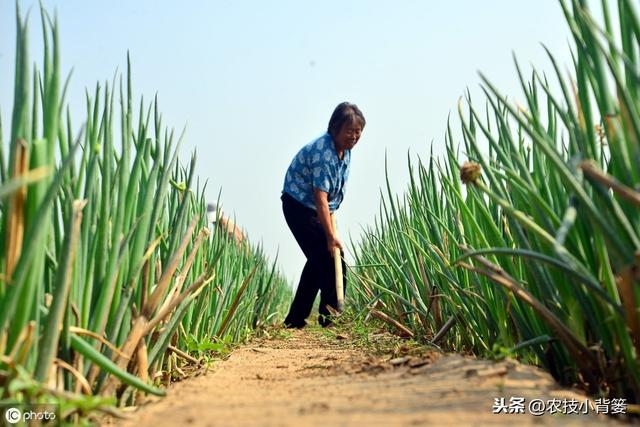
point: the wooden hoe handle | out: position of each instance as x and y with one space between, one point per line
337 261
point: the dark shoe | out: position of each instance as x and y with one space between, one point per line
325 321
295 325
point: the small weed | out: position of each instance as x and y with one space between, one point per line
210 348
280 333
499 352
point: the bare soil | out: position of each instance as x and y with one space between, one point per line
311 378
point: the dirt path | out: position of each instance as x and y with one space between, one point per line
311 379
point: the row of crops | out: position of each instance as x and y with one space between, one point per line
538 255
109 273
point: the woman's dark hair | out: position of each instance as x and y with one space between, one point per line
345 112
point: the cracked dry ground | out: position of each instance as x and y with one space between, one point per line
311 379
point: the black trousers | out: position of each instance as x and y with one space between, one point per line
318 273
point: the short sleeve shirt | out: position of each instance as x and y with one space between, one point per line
317 166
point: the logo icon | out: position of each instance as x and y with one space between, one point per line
13 415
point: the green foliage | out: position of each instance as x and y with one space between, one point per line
535 256
104 235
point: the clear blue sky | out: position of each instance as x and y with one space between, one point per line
256 80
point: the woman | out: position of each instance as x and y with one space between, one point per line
313 189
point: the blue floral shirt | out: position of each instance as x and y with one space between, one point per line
317 166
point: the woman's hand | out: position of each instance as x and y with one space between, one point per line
332 243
